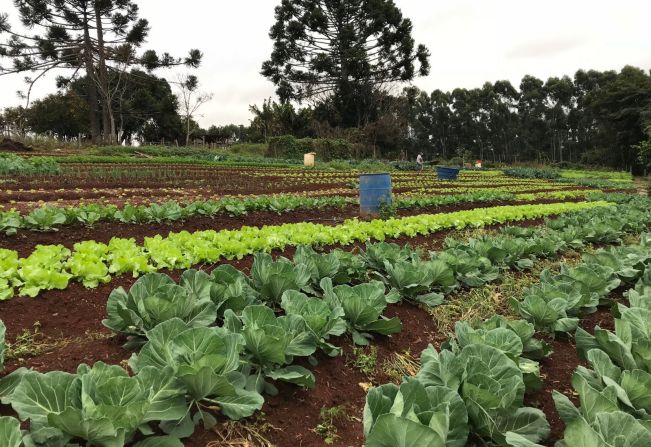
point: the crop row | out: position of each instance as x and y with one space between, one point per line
187 367
49 218
477 382
53 266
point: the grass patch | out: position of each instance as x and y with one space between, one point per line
479 304
400 365
239 434
31 343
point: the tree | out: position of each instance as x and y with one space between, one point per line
344 50
64 115
191 100
97 37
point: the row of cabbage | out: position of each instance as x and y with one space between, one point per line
475 385
614 391
54 266
215 342
50 218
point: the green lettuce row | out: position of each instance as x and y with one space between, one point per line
92 263
50 218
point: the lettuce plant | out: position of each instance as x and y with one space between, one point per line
363 306
156 298
44 269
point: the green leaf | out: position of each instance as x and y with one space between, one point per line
393 431
10 432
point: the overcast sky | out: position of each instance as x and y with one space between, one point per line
471 41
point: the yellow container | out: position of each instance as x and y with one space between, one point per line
308 159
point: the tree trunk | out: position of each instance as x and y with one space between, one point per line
107 106
93 112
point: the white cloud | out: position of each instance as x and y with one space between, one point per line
472 41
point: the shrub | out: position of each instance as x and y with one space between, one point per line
290 147
544 173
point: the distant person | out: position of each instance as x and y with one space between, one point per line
420 162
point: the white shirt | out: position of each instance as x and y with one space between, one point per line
419 159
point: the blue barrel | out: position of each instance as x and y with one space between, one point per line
374 191
446 173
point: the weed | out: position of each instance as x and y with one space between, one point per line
327 428
388 210
364 360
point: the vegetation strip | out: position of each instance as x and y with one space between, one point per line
499 355
53 266
187 369
49 218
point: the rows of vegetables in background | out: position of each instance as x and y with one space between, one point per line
215 342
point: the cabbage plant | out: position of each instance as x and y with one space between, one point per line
273 278
3 345
414 280
231 289
10 432
412 415
156 298
102 405
492 387
363 306
206 362
470 269
270 345
322 320
376 255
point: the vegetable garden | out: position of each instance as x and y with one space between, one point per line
217 306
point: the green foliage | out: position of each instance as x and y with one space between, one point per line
342 30
101 405
289 147
545 173
363 306
14 165
474 389
156 298
205 361
270 345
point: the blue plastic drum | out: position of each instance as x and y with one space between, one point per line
445 173
374 191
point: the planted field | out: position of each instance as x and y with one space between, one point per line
169 306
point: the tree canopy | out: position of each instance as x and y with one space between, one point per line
343 51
